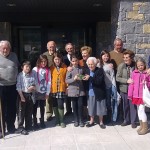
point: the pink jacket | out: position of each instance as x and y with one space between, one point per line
135 89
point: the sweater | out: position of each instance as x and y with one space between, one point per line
8 69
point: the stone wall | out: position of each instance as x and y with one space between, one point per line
5 31
133 25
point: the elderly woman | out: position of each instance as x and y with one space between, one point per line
95 90
123 77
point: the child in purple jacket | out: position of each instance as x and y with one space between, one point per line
135 93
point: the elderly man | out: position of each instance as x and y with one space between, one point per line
51 47
8 73
69 49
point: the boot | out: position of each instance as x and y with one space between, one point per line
140 128
61 118
35 125
144 128
42 124
55 109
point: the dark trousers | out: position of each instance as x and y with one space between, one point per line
8 101
41 104
77 104
25 112
58 102
129 109
68 104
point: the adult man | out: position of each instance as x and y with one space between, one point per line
8 74
66 58
51 47
117 54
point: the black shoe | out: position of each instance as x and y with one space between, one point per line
133 125
12 131
42 125
124 124
90 125
102 126
24 132
1 136
76 124
49 118
36 127
81 124
19 130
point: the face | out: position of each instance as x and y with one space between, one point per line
91 65
4 50
85 55
26 68
43 63
57 61
69 49
127 59
74 61
105 57
51 47
118 46
140 66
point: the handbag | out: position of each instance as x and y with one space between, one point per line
146 95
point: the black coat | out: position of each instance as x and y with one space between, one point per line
66 61
98 83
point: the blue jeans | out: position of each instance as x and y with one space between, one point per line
111 102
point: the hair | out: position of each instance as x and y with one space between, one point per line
103 53
68 44
59 55
41 57
5 42
140 59
86 48
93 59
130 53
118 39
26 62
51 42
74 56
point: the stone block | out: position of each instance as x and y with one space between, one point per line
130 38
130 46
146 39
140 51
144 9
146 28
135 7
125 6
128 27
139 28
139 4
143 46
134 15
147 18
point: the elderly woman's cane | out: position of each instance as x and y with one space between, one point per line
1 117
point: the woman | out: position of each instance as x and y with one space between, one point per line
123 77
95 90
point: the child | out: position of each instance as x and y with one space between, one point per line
58 88
43 84
76 90
25 87
135 93
111 90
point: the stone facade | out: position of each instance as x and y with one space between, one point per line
133 25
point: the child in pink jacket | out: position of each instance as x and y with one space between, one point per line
135 93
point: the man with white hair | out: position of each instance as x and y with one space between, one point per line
8 74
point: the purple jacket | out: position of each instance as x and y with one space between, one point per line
135 89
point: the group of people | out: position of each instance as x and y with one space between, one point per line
94 86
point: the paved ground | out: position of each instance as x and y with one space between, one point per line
77 138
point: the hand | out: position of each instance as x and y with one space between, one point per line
31 88
46 96
22 99
66 91
148 71
69 69
111 66
129 81
76 77
86 77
